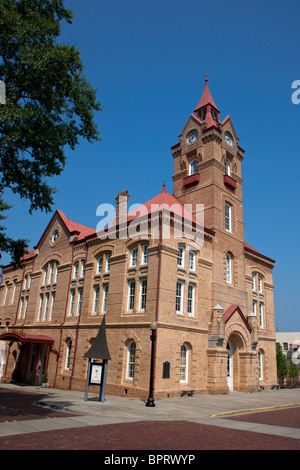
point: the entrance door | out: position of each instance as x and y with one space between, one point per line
230 367
31 371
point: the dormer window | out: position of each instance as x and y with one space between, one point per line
193 167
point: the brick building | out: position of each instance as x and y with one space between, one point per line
212 298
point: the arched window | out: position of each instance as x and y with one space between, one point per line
193 167
68 354
130 360
184 362
227 168
228 268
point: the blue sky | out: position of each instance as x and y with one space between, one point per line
148 60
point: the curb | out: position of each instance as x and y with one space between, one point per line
250 410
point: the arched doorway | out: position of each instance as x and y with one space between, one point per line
234 346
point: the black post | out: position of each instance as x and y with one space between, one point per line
87 381
150 401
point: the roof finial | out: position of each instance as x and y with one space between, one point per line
206 79
164 187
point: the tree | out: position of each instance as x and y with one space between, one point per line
293 372
49 103
282 369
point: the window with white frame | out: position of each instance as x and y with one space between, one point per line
108 262
227 168
254 306
45 275
68 354
179 296
21 307
131 296
40 307
145 254
143 294
180 258
191 299
261 314
96 299
52 306
79 299
75 270
192 258
5 294
184 360
193 167
99 264
259 284
105 297
14 292
82 268
46 307
228 217
228 268
51 272
130 362
72 302
133 256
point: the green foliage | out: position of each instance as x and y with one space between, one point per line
282 368
293 371
49 102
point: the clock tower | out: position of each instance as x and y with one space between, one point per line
207 170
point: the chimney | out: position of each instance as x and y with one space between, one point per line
121 210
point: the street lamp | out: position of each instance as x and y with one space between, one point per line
153 326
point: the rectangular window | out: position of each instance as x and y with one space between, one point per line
131 295
192 260
6 292
56 272
82 268
107 263
72 300
46 307
133 258
285 346
75 273
51 272
45 276
52 306
261 314
21 307
25 308
99 264
14 292
259 284
179 296
96 299
40 307
180 259
144 254
79 298
191 299
254 306
228 217
105 297
25 283
143 294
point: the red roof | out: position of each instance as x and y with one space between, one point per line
235 308
250 249
206 98
159 202
82 230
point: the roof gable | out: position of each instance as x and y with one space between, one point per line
235 308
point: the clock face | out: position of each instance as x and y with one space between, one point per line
192 137
228 139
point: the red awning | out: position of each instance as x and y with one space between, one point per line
21 338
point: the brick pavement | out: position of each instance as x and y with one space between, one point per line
148 435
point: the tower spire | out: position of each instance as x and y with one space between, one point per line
206 109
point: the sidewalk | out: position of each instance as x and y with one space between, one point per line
203 409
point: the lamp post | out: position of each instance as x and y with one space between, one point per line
150 401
